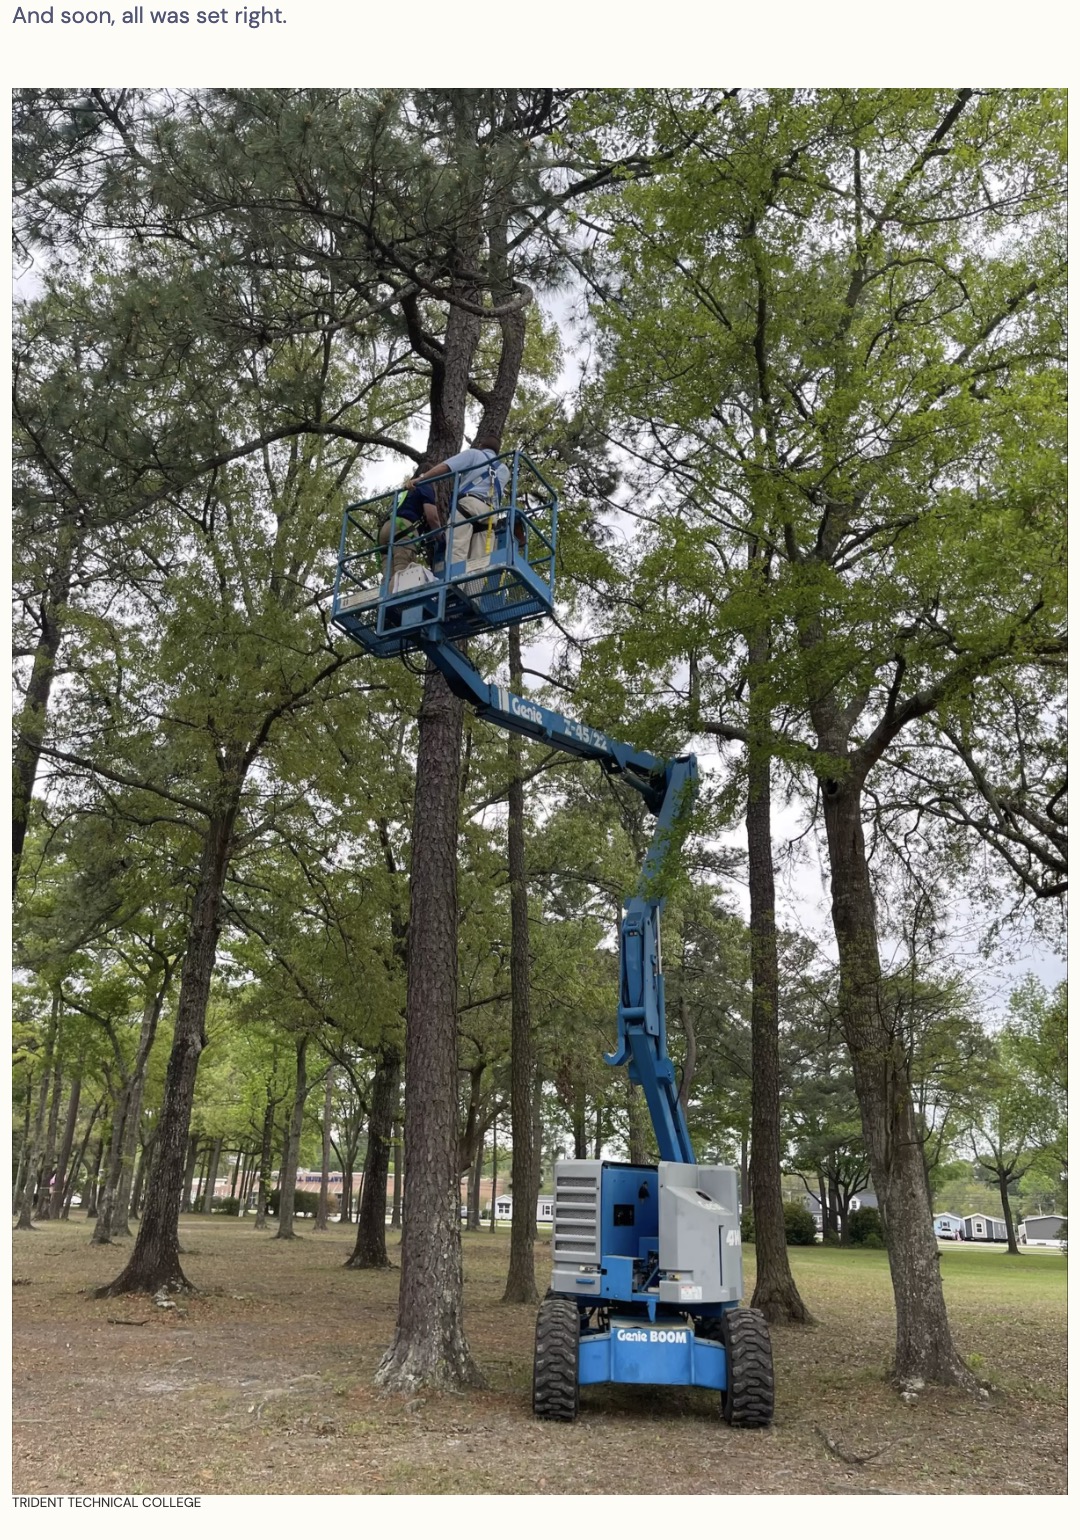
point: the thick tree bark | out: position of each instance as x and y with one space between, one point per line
521 1274
429 1346
924 1345
155 1257
323 1212
63 1181
775 1293
290 1158
369 1250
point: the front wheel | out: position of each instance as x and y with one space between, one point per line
748 1399
555 1360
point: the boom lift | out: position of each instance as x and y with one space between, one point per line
647 1260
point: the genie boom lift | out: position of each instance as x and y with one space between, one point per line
647 1260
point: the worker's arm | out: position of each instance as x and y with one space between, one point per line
436 470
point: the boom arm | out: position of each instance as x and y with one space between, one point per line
668 788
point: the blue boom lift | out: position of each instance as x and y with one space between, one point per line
647 1260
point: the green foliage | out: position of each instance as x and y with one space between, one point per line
799 1227
305 1204
864 1228
746 1224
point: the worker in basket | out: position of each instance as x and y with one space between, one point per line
481 489
414 512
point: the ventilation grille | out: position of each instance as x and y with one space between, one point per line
576 1230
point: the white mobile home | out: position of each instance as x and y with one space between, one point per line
949 1227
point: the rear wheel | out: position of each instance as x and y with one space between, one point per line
555 1360
748 1399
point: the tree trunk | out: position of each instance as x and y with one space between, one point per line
106 1202
924 1345
579 1124
291 1154
76 1164
637 1134
26 1200
369 1250
138 1183
30 727
189 1173
265 1157
323 1213
1013 1250
128 1149
472 1219
26 1197
521 1273
399 1163
90 1191
63 1181
155 1257
211 1176
24 1148
48 1165
494 1171
429 1346
775 1294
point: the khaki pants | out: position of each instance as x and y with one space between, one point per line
403 555
467 539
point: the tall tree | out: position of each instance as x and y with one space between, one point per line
860 336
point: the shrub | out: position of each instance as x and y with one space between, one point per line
303 1202
746 1224
226 1206
864 1228
799 1227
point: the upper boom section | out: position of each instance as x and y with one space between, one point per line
644 771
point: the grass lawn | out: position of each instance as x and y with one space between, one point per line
262 1382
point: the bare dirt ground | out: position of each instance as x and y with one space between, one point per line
262 1383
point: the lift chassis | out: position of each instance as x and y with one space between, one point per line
647 1259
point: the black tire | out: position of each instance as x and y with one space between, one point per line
748 1399
555 1360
